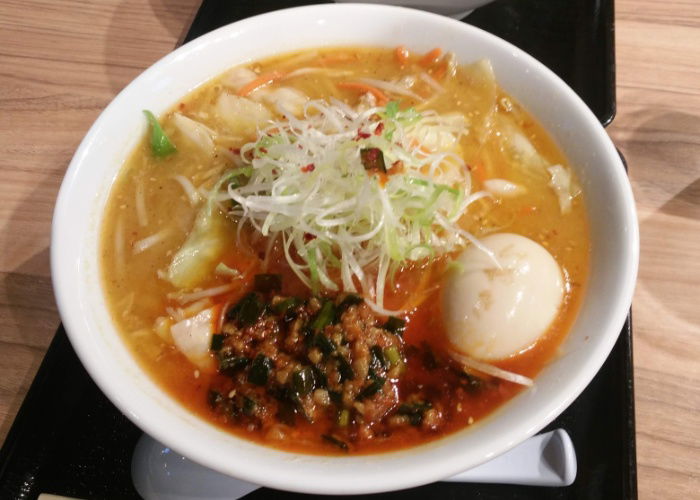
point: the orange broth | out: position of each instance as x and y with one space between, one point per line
138 297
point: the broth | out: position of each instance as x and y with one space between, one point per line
152 209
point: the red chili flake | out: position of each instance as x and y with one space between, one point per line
182 106
235 151
379 128
263 150
274 171
362 135
308 168
396 167
308 237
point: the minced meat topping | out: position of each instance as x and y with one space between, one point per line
327 361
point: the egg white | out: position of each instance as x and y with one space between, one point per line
492 313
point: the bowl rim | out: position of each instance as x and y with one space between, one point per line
62 276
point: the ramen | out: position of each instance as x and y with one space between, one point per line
347 250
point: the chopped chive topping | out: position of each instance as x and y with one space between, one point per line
303 381
325 344
217 342
214 398
249 406
336 397
345 368
349 300
260 370
248 310
377 360
325 317
392 355
343 418
335 441
414 411
286 304
371 389
320 377
395 325
229 365
160 144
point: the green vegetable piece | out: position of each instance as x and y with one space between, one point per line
320 377
201 252
214 398
377 361
343 418
286 305
430 362
160 144
265 283
345 368
373 159
395 325
471 382
392 109
249 406
217 342
336 397
303 381
326 345
350 300
335 441
248 310
392 354
324 317
230 364
260 370
372 388
414 411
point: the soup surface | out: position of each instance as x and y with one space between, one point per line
277 255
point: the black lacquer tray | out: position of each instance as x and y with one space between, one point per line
68 439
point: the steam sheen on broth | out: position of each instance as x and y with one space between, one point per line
232 279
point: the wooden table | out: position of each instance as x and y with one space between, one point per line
62 62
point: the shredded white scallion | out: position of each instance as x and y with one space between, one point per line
141 213
317 182
394 88
144 244
192 194
186 298
489 369
432 82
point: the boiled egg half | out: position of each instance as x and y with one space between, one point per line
493 312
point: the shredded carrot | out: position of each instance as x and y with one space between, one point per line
260 81
381 97
431 57
440 72
402 54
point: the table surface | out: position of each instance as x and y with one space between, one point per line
62 62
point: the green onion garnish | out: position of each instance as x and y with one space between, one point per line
160 144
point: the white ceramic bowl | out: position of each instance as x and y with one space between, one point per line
453 8
78 215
